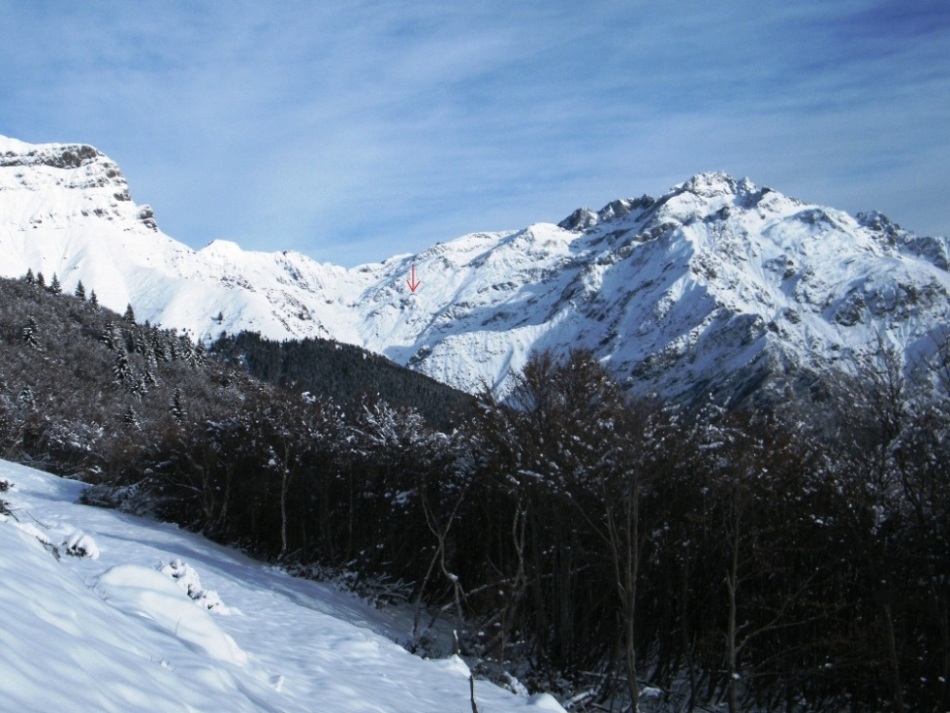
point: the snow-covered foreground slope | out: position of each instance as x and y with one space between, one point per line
104 629
718 285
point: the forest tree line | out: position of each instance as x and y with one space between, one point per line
345 373
791 559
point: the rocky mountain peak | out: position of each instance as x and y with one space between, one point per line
74 177
716 287
716 184
584 218
580 219
67 156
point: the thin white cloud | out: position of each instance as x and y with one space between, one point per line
352 130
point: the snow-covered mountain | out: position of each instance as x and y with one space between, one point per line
717 285
103 611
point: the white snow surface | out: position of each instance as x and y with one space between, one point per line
717 277
115 633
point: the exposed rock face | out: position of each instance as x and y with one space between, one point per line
16 153
718 286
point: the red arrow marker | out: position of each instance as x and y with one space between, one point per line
412 281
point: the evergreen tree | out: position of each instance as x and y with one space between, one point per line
132 419
199 355
93 300
121 370
80 291
138 343
157 343
110 335
29 334
26 398
129 315
40 280
187 351
54 287
139 387
29 278
177 408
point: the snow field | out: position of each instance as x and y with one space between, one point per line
136 629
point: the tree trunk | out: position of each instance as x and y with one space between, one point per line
732 584
687 644
284 488
893 661
632 571
631 662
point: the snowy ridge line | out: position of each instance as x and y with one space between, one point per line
718 286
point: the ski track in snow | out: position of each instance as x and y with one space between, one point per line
105 630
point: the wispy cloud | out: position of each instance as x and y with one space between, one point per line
352 130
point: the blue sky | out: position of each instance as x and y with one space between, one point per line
353 130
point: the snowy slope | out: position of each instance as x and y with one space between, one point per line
717 285
104 629
713 286
66 209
